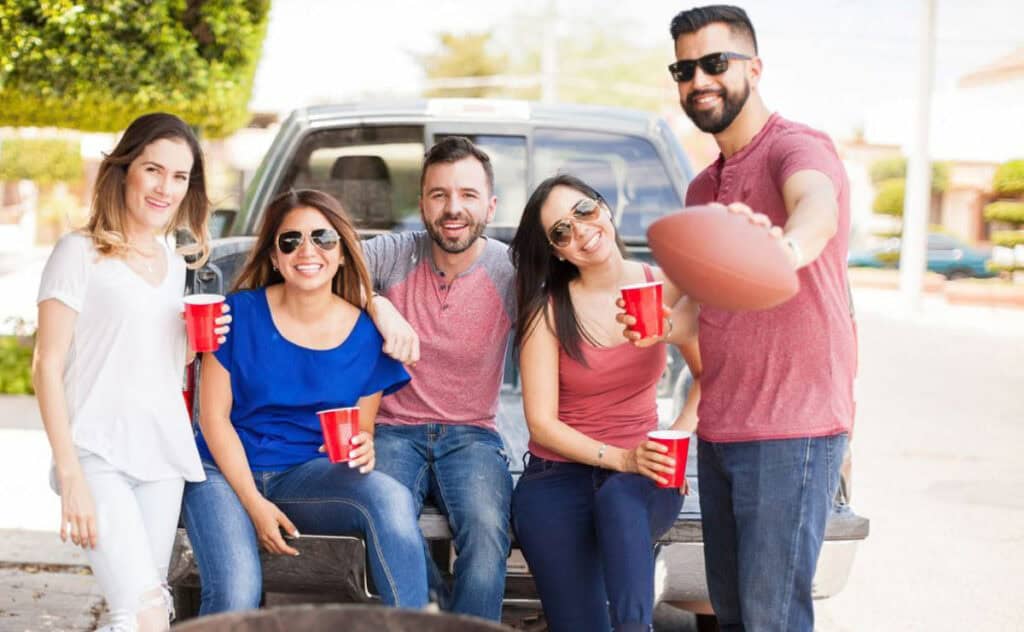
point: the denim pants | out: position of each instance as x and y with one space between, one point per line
465 471
320 498
764 505
588 535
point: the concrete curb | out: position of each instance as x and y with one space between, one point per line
987 293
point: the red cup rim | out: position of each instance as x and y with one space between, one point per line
331 410
669 434
640 286
203 299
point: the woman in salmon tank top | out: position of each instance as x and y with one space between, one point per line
597 492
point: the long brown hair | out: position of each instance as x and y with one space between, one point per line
352 280
107 216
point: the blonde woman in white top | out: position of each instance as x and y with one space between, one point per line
110 355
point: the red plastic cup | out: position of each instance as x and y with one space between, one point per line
339 426
678 444
200 312
643 302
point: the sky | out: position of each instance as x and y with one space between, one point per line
840 65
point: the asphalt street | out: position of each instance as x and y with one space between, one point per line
937 469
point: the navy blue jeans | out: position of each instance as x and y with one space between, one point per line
464 470
588 535
320 498
764 505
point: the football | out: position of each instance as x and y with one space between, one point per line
721 259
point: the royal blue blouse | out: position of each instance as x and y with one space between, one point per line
277 386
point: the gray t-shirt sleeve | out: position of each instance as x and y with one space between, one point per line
389 258
498 260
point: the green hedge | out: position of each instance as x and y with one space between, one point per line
1009 179
896 168
889 198
45 160
95 66
15 366
1008 238
1009 211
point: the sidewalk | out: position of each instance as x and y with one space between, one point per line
44 583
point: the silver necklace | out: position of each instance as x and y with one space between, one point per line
146 259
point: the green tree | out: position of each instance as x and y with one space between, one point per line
45 160
1007 211
464 57
891 168
595 65
889 199
95 66
1009 179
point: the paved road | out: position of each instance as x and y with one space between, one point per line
937 468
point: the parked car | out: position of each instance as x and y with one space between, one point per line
369 156
946 255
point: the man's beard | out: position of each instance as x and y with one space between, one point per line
716 120
455 246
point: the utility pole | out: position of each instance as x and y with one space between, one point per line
918 192
549 56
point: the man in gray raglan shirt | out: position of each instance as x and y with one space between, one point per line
453 291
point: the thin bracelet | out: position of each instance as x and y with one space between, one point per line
600 451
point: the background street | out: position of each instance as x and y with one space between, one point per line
937 468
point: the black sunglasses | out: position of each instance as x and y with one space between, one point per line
323 238
712 64
586 210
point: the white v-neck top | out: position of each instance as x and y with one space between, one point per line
124 368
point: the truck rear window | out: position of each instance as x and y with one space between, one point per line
626 170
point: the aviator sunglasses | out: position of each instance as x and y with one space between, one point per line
323 238
713 64
586 210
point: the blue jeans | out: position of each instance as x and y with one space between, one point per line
320 498
588 535
764 505
465 471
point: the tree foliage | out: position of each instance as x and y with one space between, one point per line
1009 178
45 160
95 66
892 168
15 365
1008 211
464 56
595 65
889 198
1008 238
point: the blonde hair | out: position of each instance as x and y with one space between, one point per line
352 280
106 226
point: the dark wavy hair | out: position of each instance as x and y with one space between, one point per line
352 280
542 278
693 20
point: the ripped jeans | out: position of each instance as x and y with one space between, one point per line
136 521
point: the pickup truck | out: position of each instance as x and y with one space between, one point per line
369 157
